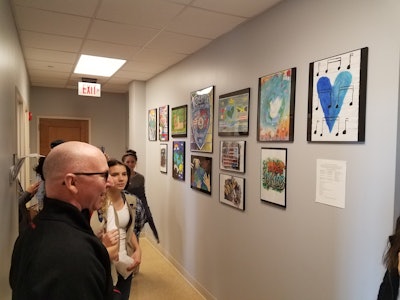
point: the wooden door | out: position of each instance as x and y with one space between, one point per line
61 129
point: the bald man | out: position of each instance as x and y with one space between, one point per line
59 257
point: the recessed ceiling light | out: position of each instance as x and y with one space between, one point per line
98 66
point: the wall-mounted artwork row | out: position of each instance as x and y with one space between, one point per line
337 98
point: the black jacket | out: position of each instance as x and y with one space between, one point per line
59 257
389 288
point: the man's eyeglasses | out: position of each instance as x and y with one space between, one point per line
102 174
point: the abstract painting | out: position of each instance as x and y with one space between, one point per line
233 113
178 160
200 179
163 158
152 124
179 121
276 96
231 190
273 175
232 156
164 122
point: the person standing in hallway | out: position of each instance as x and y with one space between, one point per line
389 288
25 216
59 257
124 213
136 187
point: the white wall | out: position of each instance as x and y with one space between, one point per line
13 77
308 251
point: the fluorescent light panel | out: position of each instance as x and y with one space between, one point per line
98 66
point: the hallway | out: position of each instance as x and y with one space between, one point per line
159 279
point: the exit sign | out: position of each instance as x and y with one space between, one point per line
89 89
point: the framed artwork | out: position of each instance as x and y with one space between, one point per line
273 175
276 97
201 133
163 158
200 177
178 160
231 190
179 121
337 98
233 113
164 122
232 156
152 124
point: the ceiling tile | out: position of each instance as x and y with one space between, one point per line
141 66
75 7
208 24
121 33
148 13
173 42
50 55
49 66
134 74
52 42
97 48
53 23
158 56
247 9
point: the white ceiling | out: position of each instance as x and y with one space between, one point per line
151 35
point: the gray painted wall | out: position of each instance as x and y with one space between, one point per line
13 78
310 250
108 115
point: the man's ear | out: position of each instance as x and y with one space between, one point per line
70 181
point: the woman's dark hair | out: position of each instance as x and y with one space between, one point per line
391 258
129 152
39 168
115 162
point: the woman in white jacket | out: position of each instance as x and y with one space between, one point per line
121 215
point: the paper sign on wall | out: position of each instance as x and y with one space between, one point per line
331 182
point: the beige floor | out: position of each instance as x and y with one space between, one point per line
159 279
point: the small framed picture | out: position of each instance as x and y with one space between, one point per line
273 175
201 126
201 168
276 98
233 113
163 157
179 121
232 156
231 190
164 122
178 160
152 124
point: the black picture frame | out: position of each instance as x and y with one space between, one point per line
179 121
201 173
276 103
233 113
178 160
232 156
273 170
337 98
232 191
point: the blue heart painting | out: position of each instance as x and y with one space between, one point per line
332 96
